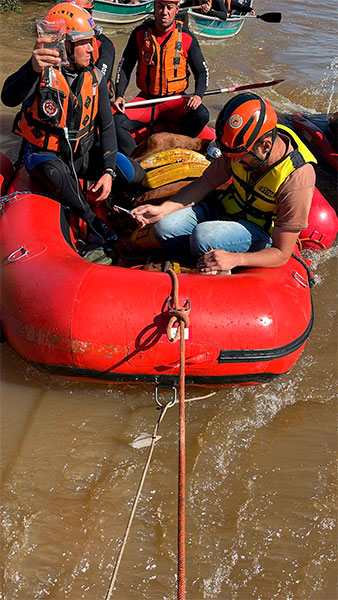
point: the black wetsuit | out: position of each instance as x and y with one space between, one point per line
219 9
106 59
55 171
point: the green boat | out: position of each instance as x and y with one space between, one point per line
120 13
213 28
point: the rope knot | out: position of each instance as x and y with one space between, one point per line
177 313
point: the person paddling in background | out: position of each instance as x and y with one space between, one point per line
104 53
163 50
222 9
258 221
63 109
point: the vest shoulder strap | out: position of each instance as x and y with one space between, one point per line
99 75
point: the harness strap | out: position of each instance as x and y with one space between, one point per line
178 47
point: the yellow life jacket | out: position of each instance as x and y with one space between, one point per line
162 68
55 111
257 203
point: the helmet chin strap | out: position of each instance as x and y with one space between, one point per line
71 57
263 161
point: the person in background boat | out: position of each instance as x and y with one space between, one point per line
105 47
163 50
63 109
258 221
332 131
222 9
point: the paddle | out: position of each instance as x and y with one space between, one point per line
227 90
270 17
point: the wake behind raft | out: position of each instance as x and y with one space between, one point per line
81 320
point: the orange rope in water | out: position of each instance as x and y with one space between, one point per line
181 475
179 314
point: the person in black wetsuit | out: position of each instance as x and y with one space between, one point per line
332 131
106 48
64 106
221 9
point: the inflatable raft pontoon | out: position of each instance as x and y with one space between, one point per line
82 320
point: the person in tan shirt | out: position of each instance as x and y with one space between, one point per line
259 219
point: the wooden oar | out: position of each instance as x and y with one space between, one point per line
227 90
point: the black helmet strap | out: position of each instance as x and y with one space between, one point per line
263 161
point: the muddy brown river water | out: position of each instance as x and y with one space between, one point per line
261 460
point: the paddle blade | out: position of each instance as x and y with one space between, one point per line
271 17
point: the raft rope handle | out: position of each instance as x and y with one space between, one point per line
5 199
167 387
308 239
311 279
300 279
180 314
17 255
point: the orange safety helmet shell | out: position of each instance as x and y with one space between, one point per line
79 23
242 121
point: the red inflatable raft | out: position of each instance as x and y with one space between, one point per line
82 320
314 135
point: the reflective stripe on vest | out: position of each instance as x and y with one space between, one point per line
162 68
257 203
54 107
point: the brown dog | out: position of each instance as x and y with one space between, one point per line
167 141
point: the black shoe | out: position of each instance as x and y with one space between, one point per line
102 234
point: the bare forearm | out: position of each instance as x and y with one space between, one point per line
192 194
269 257
188 196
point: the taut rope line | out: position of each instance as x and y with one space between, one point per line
179 314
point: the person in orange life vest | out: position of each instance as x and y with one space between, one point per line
105 48
163 50
63 109
257 221
221 9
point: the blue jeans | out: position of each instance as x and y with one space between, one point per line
191 232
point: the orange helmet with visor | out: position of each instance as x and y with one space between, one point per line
79 23
242 121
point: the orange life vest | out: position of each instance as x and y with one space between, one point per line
55 112
162 68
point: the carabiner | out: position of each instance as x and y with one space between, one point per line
166 387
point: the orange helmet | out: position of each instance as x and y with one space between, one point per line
87 4
79 23
242 121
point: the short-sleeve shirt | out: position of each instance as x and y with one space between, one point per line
293 198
